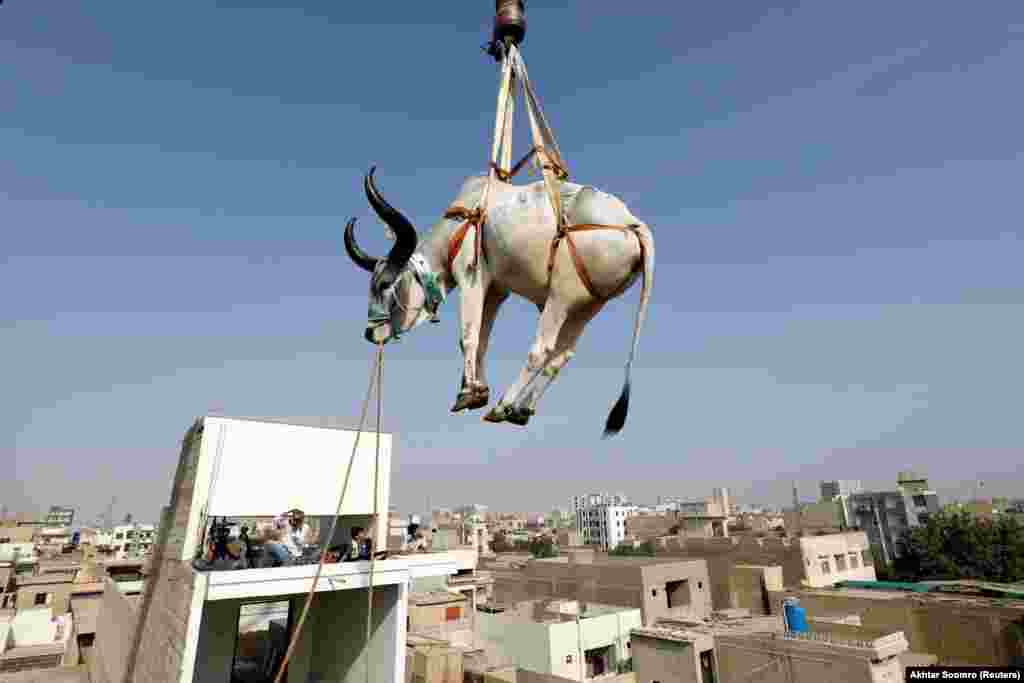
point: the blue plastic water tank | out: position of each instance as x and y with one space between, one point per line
796 617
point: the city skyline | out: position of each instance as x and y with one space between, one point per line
832 189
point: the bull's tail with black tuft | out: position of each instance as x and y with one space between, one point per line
617 417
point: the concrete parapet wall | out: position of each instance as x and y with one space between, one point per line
115 629
749 586
778 660
958 632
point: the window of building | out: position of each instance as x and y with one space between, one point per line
42 599
840 562
920 501
568 659
866 556
654 592
854 563
453 613
825 568
677 593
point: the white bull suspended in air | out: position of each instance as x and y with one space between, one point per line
606 250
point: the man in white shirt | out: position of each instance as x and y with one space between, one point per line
288 536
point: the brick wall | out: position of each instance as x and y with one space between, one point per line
158 650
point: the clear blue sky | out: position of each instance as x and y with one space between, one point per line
834 189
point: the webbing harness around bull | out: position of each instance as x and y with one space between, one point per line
547 156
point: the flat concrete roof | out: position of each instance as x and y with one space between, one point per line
78 674
324 422
686 631
923 598
33 651
627 561
44 579
435 598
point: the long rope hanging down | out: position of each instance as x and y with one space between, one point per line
376 511
376 376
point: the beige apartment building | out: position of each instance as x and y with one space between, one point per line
568 638
803 560
739 649
961 629
660 588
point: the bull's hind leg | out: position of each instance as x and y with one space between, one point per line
548 328
571 332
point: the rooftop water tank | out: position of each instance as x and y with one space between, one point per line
796 617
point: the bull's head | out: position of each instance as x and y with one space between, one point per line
403 290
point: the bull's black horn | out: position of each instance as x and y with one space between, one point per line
405 233
358 256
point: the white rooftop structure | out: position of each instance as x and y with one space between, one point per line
250 469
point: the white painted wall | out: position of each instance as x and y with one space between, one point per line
527 644
249 468
543 648
34 627
814 549
26 552
5 636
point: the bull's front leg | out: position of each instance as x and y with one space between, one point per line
473 393
492 302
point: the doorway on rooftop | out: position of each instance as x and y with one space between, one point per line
707 667
599 661
263 629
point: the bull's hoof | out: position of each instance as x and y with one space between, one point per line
511 415
496 414
471 400
519 417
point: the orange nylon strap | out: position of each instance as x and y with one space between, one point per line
473 218
581 268
506 176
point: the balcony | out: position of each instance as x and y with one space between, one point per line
247 471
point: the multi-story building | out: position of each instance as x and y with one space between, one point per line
887 516
603 525
591 499
831 490
128 540
196 624
676 588
567 639
839 491
60 516
36 639
742 649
